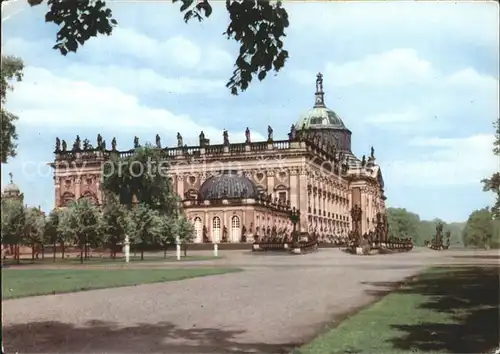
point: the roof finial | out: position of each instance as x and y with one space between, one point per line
320 95
11 178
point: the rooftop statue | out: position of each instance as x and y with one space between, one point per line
86 144
99 141
247 136
64 145
113 144
319 82
58 145
269 133
136 142
202 139
372 153
293 133
179 139
363 161
225 136
158 141
77 144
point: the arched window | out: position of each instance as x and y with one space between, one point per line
216 229
235 229
67 198
198 227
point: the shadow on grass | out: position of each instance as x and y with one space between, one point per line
108 337
469 296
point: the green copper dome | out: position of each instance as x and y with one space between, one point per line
320 116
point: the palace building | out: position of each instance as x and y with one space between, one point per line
239 192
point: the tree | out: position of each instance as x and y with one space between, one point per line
258 26
185 230
403 224
66 228
141 178
144 227
478 231
114 223
168 232
13 222
492 184
51 231
11 69
34 225
82 220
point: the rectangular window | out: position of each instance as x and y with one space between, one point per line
282 196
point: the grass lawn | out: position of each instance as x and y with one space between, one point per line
107 260
30 282
443 310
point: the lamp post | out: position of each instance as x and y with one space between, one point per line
294 218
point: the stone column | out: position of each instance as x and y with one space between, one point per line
325 202
270 183
303 200
180 185
78 182
98 189
57 193
294 191
364 208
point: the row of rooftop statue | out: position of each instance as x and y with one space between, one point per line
294 135
85 145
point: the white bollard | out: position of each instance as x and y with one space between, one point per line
178 242
127 249
216 250
178 252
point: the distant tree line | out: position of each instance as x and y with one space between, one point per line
142 206
480 230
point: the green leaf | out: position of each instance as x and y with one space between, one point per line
186 4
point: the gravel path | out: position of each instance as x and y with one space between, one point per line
277 303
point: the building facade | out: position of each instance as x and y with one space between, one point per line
236 192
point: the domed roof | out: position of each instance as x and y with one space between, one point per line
227 185
11 188
320 116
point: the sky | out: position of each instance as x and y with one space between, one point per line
416 80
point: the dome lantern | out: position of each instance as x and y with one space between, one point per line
320 116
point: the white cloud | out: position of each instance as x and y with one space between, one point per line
134 80
474 22
46 99
141 80
446 161
396 67
178 50
410 115
417 96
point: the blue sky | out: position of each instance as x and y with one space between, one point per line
417 80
